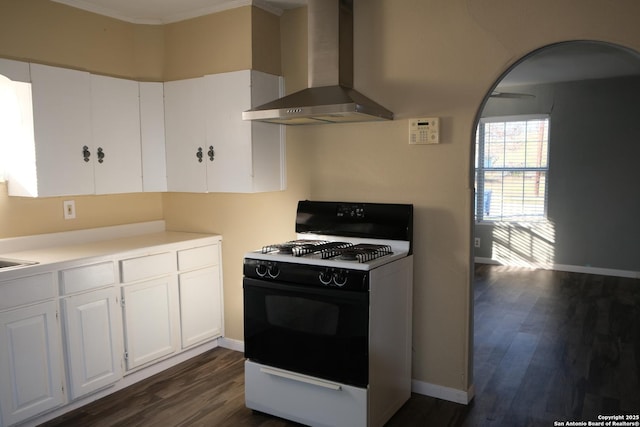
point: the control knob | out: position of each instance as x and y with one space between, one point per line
261 270
325 277
273 271
340 278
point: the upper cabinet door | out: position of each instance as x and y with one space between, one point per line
154 161
115 110
227 95
62 128
185 135
249 156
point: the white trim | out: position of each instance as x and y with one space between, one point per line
518 118
574 269
231 344
442 392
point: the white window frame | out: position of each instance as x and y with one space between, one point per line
481 166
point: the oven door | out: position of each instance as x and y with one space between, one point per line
317 331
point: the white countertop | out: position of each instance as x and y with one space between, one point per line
47 250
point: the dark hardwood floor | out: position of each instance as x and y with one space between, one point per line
549 346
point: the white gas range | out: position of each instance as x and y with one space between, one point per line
328 316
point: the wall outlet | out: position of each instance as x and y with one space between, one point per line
69 209
476 242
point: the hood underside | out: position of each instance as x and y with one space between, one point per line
330 97
327 104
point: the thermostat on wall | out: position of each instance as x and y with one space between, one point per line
424 131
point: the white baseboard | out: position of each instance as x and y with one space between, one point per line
231 344
574 269
441 392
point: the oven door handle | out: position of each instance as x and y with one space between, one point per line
301 378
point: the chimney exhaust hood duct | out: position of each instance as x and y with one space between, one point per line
330 97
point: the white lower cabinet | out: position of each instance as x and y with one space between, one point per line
151 320
200 306
30 362
93 329
200 294
73 332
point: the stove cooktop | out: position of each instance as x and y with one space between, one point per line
342 253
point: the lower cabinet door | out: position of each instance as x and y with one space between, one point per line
200 306
151 320
93 325
30 362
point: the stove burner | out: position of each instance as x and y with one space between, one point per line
318 248
288 247
362 252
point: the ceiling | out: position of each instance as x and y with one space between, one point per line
166 11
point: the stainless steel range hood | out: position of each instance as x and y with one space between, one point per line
330 97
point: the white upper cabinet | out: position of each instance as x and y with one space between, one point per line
79 133
85 137
62 128
249 156
209 147
116 153
154 162
185 135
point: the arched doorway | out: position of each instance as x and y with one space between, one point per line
582 223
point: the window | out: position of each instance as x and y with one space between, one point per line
512 164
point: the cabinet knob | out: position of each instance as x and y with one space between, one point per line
199 154
211 153
86 153
100 155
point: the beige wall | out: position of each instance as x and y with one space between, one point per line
418 58
241 218
439 59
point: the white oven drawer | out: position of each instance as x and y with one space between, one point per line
302 398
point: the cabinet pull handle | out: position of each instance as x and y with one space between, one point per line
211 153
199 154
100 155
301 378
86 153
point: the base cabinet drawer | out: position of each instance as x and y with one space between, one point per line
30 362
189 259
148 266
27 290
87 277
